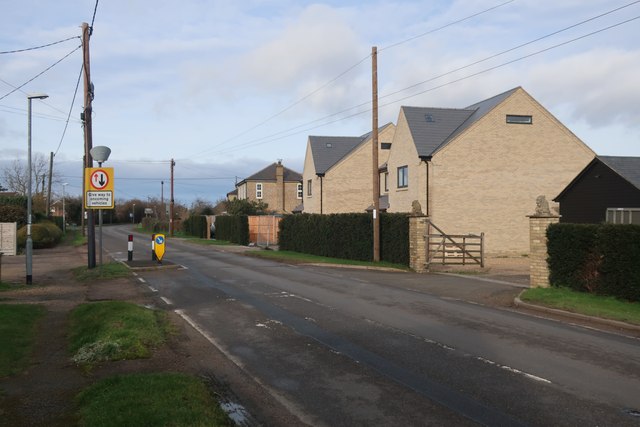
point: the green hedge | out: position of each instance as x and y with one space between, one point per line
233 228
347 236
602 259
13 213
43 234
195 225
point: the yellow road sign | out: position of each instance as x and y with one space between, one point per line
98 185
158 246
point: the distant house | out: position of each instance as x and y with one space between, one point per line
607 182
337 176
277 186
480 168
232 195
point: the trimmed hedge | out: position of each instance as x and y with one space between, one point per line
347 236
602 259
195 225
13 213
233 228
43 234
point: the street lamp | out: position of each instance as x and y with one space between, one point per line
100 154
29 248
133 214
64 212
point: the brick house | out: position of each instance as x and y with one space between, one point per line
337 171
480 168
277 186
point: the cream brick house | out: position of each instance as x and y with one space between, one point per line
277 186
480 168
337 171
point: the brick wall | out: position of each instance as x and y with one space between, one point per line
539 270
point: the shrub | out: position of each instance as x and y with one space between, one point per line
196 225
233 228
43 234
13 213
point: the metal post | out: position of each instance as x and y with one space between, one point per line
64 212
100 234
29 244
130 248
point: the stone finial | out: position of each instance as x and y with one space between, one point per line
542 207
416 209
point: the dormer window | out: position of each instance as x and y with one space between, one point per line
429 118
519 120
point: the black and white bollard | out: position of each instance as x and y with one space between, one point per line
153 247
130 248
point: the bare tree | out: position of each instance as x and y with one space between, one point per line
16 175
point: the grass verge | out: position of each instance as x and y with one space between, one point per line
17 335
297 257
166 399
583 303
115 330
111 270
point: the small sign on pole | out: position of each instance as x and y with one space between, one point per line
159 246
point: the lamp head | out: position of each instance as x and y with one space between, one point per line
37 96
100 153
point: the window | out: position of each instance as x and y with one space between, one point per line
403 176
519 120
385 145
309 188
299 190
259 190
386 182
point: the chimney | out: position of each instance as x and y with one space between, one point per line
280 186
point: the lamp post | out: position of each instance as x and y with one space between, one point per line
100 154
64 211
29 243
133 214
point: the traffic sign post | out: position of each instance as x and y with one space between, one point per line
99 188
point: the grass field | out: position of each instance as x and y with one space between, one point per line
583 303
163 399
115 330
17 334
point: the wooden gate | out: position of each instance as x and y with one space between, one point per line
263 229
461 249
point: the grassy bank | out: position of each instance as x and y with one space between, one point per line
17 334
583 303
296 257
115 330
166 399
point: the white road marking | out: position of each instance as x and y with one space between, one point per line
152 288
514 370
141 280
166 301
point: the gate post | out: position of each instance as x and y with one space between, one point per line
538 223
418 228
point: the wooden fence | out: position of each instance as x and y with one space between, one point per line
263 229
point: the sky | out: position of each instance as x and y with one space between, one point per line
226 88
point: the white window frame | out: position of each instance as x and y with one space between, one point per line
259 190
299 190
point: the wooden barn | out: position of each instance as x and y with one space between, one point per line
607 183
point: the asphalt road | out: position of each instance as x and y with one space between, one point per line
355 347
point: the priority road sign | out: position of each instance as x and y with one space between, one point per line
98 188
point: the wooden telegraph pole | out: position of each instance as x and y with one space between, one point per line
374 155
88 140
171 202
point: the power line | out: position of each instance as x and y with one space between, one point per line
310 94
75 92
41 73
273 137
6 52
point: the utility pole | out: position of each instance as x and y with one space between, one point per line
162 209
88 139
171 203
374 154
49 189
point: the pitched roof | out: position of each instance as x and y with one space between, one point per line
329 150
269 174
432 128
626 167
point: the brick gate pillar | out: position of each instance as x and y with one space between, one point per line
538 224
418 228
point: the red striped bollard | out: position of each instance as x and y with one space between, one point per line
130 248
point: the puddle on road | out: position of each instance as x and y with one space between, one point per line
236 412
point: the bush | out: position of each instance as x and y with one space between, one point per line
13 213
233 228
347 236
44 235
196 225
600 259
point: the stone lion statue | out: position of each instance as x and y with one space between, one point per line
542 206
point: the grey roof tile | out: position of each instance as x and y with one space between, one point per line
329 150
269 174
626 167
